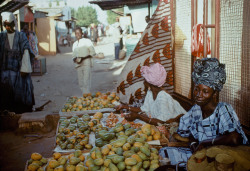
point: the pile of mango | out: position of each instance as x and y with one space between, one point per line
36 162
74 133
74 161
125 153
94 101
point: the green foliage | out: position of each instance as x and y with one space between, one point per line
73 12
112 16
85 16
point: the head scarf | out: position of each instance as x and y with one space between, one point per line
155 74
9 17
209 72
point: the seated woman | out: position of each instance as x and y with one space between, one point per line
158 106
210 122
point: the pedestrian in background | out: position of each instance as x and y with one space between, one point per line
83 51
117 41
16 56
31 36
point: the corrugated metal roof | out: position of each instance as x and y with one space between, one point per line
12 5
112 4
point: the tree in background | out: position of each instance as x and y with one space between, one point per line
112 16
85 16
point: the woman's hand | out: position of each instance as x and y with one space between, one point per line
131 117
120 107
202 145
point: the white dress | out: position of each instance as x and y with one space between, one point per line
81 49
164 107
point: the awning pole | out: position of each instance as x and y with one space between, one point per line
149 9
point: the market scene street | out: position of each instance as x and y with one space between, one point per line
115 85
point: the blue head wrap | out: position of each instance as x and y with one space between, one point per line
209 72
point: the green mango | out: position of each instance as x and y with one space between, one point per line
135 167
107 162
111 156
135 149
118 128
99 161
74 160
154 150
77 153
146 164
145 150
44 160
131 140
62 160
119 142
119 151
113 167
121 166
117 159
99 142
142 140
94 168
129 131
79 147
128 153
143 156
98 153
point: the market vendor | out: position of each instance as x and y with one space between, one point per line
210 122
158 105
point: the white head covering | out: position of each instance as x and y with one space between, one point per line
9 17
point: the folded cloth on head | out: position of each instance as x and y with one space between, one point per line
154 74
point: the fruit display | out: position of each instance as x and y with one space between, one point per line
120 147
111 120
74 133
124 153
132 123
94 101
36 162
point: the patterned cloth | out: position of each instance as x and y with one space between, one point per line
154 74
164 107
154 46
176 155
209 72
224 119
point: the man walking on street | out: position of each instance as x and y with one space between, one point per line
83 51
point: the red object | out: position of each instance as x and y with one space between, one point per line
197 41
28 15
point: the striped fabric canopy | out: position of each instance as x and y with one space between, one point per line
154 46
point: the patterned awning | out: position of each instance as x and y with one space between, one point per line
12 6
154 46
112 4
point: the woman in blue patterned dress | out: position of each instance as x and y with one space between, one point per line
210 122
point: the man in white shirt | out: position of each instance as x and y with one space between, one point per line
83 51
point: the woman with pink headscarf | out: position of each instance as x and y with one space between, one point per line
158 106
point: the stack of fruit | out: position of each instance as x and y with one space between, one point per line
94 101
36 162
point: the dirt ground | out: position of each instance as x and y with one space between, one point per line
58 83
